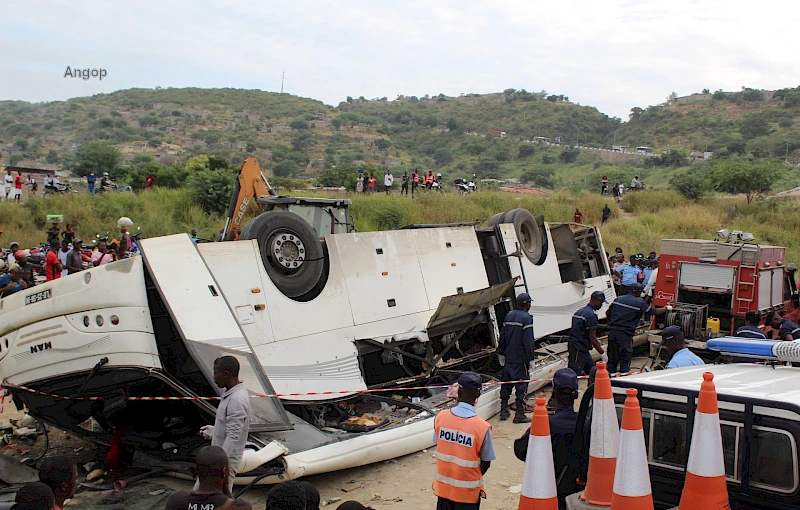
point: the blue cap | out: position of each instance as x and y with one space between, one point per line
524 298
636 287
599 294
470 381
671 333
565 378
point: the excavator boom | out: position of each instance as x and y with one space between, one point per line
250 184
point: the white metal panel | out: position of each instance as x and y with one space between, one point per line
380 285
777 286
188 288
235 266
554 302
445 268
707 276
764 288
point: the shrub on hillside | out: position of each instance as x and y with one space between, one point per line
212 190
691 185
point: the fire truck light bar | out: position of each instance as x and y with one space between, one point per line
762 349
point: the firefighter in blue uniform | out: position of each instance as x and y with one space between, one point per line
787 330
583 335
517 350
623 316
750 328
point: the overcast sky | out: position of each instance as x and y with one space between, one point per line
612 54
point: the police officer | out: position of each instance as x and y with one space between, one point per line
563 423
583 335
464 450
629 274
516 349
623 319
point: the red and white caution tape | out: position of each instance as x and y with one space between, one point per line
9 386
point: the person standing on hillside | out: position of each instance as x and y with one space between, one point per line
371 184
414 181
429 179
52 265
578 215
606 214
63 255
404 185
604 185
388 181
18 186
360 183
91 179
9 184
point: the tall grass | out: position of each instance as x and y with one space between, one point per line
653 215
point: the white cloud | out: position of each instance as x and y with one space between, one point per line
613 54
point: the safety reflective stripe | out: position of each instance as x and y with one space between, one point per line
458 461
461 484
581 317
605 428
513 324
632 476
627 306
705 456
528 326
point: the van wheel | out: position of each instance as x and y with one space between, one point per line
290 250
530 233
497 219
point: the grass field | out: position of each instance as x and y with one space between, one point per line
644 219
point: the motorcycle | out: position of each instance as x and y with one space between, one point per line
437 187
465 187
61 189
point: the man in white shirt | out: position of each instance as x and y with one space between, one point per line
63 253
650 288
9 184
388 181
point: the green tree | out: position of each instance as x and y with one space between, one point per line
298 124
737 147
442 156
141 159
452 125
285 168
197 163
569 155
21 143
526 151
754 126
732 176
336 123
691 185
212 190
382 143
541 176
97 157
52 157
674 157
635 113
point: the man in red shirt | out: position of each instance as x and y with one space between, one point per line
18 186
52 266
371 184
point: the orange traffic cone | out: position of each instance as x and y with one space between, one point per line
605 442
539 481
705 486
632 478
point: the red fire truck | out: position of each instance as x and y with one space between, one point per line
722 279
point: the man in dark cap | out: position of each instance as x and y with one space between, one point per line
517 350
562 432
464 449
583 335
674 343
623 319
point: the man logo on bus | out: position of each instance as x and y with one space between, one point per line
456 436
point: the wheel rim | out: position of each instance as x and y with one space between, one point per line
526 236
286 251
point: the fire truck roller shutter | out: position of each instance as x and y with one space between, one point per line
531 234
291 252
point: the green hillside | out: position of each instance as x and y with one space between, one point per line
457 136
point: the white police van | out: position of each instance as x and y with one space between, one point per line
760 417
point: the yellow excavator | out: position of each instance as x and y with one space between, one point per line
290 231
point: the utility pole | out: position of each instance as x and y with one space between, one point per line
283 75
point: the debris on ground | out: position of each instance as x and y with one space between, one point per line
330 501
14 472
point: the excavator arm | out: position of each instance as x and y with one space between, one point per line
250 184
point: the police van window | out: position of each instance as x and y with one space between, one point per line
669 436
772 466
729 445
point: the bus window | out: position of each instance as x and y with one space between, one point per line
771 453
669 437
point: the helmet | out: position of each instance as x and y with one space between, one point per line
105 174
439 174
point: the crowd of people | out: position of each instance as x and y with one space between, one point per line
368 183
